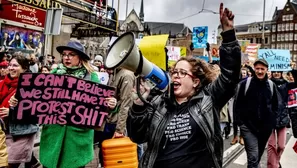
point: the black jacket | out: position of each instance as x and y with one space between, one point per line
147 125
257 108
283 116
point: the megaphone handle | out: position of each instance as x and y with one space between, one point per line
140 64
138 81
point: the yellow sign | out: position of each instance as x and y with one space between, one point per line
183 51
153 49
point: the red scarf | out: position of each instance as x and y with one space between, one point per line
8 87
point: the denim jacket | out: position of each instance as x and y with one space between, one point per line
22 129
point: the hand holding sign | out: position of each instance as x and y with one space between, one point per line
13 102
4 112
111 102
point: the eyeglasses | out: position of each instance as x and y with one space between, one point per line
70 55
181 73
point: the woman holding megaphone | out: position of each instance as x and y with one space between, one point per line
183 130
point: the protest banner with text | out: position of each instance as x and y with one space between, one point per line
61 99
292 98
278 60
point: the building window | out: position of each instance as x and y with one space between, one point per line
279 27
252 40
278 37
286 37
291 26
273 38
273 28
291 17
282 46
291 36
295 26
295 37
272 46
278 46
294 57
266 40
283 27
291 46
295 47
286 46
284 17
287 26
283 37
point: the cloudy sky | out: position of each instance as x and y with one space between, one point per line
245 11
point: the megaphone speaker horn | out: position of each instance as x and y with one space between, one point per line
124 53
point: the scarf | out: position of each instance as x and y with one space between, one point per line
79 72
7 89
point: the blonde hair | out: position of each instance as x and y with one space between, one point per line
87 65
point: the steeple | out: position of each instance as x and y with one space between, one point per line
141 13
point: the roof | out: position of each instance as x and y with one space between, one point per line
165 27
294 4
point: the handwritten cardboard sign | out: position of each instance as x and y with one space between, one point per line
278 60
61 99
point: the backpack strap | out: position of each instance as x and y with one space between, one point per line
247 84
270 86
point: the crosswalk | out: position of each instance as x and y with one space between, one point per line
288 160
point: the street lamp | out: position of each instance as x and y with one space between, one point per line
263 25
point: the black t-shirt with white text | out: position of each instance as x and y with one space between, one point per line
183 144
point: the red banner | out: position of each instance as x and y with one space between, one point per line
22 13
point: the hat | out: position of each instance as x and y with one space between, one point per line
99 58
261 61
4 64
76 47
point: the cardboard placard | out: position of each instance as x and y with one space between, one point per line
61 99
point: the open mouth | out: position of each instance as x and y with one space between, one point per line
67 63
176 85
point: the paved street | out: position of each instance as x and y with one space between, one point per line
288 160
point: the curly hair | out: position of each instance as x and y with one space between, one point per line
201 70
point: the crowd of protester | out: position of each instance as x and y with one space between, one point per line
183 127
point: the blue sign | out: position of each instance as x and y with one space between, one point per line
200 36
205 58
278 60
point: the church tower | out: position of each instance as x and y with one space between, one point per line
141 13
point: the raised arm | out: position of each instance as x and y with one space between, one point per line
223 87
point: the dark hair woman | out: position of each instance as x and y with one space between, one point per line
19 137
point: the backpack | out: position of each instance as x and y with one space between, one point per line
248 82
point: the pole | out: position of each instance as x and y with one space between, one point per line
127 1
263 26
118 16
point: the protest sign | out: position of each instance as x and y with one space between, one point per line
61 99
104 77
292 98
278 60
153 49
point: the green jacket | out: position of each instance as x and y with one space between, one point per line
63 146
